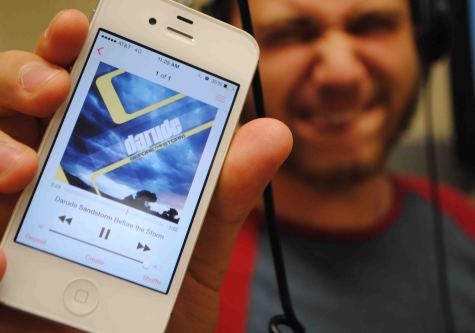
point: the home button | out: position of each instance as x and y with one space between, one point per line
80 297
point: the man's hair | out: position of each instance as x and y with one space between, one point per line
222 9
429 49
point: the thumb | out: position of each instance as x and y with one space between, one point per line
257 151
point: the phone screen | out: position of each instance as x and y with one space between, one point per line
125 174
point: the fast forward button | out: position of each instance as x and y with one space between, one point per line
144 247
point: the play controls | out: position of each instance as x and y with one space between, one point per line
104 233
81 297
143 247
65 219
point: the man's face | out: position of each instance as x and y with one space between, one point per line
342 74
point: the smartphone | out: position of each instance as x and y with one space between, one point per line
102 237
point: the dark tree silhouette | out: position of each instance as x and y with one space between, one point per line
141 200
171 215
146 196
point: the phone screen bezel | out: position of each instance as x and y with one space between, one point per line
48 155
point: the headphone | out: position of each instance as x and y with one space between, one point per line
432 29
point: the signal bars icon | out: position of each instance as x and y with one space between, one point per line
109 39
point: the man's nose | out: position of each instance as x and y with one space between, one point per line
338 73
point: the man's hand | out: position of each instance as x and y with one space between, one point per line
32 86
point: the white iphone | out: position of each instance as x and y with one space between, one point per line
102 238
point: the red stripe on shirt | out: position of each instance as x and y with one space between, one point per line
453 203
235 291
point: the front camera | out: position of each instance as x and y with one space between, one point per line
152 21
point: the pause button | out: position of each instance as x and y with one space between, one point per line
104 233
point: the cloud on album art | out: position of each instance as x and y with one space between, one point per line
137 142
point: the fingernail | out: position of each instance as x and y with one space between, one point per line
34 75
9 155
48 29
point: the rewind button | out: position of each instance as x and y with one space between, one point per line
65 219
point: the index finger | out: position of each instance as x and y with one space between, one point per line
62 40
58 46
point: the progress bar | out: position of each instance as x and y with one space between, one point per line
99 247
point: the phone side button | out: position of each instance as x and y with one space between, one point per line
80 297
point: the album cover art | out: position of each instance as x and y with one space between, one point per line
137 142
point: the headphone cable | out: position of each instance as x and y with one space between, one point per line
434 192
289 318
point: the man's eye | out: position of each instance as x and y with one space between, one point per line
373 25
284 37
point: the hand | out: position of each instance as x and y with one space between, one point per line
257 150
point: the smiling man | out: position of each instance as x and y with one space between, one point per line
358 239
343 75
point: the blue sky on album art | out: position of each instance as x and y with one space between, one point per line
97 142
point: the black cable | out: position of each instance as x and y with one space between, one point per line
439 239
289 318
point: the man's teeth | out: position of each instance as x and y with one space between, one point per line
337 117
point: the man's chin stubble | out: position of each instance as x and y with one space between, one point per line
337 179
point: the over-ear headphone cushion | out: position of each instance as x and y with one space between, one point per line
433 28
